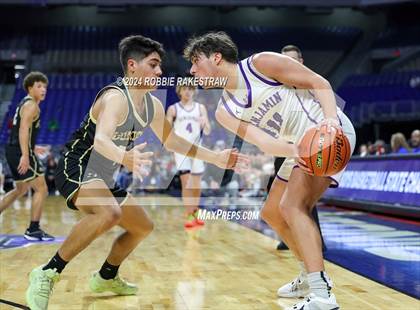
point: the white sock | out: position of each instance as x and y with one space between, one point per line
302 268
320 284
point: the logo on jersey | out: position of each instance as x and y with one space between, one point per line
127 135
188 118
265 107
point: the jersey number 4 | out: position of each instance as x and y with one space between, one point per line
189 128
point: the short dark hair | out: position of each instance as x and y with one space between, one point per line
32 77
138 47
212 42
292 48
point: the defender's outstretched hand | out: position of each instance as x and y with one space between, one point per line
232 159
135 160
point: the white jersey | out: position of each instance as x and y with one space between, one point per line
276 108
187 122
279 110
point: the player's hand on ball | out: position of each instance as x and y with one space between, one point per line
302 165
136 161
300 151
323 150
332 124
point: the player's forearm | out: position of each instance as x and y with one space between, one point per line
176 144
24 140
207 128
170 120
266 143
276 147
325 95
104 146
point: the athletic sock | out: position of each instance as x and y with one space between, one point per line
320 284
56 263
303 273
33 226
108 271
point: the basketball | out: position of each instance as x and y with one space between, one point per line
325 153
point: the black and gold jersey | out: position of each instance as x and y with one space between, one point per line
80 147
33 130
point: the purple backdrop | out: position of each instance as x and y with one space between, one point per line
394 181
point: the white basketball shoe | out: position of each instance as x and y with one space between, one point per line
298 288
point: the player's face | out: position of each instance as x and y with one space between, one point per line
38 91
186 93
148 67
203 66
294 55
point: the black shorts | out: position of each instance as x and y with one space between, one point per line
70 175
36 169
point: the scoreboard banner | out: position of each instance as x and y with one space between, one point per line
393 180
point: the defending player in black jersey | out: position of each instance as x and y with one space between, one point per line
118 116
26 169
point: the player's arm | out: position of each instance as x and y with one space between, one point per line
171 114
205 123
28 113
290 72
174 143
113 110
254 135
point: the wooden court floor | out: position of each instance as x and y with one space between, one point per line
221 266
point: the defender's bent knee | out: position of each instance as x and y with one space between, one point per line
142 230
111 216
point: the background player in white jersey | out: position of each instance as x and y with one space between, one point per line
270 100
190 120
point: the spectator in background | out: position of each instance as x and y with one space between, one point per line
380 147
371 148
50 174
363 150
415 141
399 144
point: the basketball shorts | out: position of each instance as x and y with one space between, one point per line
70 175
189 165
289 164
13 154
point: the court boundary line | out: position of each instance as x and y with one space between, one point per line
13 304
